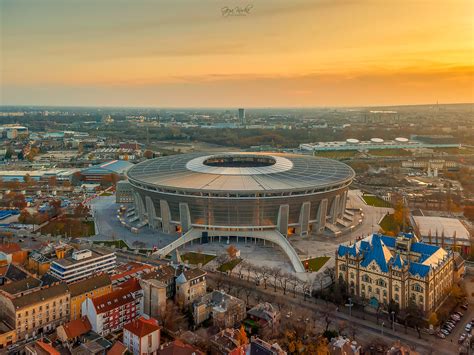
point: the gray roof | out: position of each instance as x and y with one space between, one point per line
286 172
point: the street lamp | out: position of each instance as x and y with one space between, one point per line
393 320
350 304
382 327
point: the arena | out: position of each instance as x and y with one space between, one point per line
240 194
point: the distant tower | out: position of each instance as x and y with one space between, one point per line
242 116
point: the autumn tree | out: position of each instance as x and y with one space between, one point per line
232 251
148 154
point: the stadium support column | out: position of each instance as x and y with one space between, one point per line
184 217
139 207
283 219
150 209
165 216
304 219
343 202
322 213
334 209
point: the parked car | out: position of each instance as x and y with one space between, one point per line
440 335
462 338
444 331
460 314
468 327
465 306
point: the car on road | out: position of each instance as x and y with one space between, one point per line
455 317
440 335
468 327
465 306
460 314
462 338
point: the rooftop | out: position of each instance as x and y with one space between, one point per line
142 326
89 284
24 285
77 327
40 296
261 172
438 225
116 298
68 261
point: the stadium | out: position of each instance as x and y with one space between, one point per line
252 195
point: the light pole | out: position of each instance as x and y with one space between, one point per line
350 304
382 327
393 320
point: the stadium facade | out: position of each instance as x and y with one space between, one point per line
293 194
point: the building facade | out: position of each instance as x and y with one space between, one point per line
37 311
142 336
83 264
112 311
224 310
94 286
381 269
190 286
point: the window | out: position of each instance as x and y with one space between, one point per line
370 288
150 341
396 297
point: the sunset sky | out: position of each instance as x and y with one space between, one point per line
185 53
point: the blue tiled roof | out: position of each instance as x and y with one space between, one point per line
376 253
426 250
420 269
344 249
397 261
388 241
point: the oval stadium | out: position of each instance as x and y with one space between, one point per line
240 194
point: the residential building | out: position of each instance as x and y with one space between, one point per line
381 268
225 310
180 348
82 264
94 286
158 286
13 253
227 342
69 332
35 311
7 335
266 315
344 346
190 285
40 348
124 272
117 349
258 346
110 312
142 336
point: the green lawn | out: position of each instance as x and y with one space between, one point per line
228 266
316 263
375 201
388 224
197 258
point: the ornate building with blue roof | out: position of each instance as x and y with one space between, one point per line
380 268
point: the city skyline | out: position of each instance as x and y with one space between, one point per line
274 54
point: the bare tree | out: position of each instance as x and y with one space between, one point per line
275 273
266 271
247 293
306 286
285 281
294 283
327 316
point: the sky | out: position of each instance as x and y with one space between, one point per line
190 53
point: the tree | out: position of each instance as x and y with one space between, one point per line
243 336
148 154
24 217
232 252
415 317
276 275
433 319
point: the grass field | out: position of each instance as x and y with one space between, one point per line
336 154
316 263
375 201
388 224
197 258
228 266
390 152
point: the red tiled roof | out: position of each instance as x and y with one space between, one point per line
116 298
117 349
77 327
48 348
142 327
177 347
9 248
130 269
